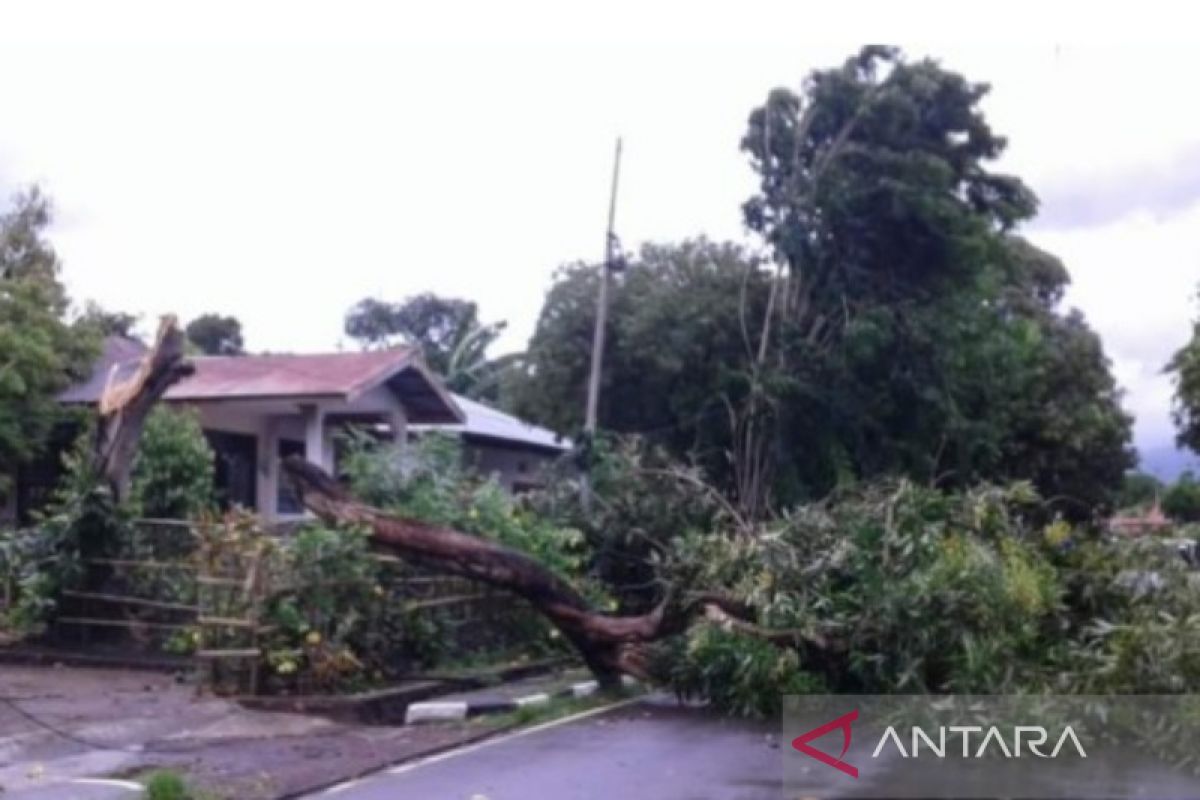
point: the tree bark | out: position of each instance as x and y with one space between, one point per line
609 645
125 404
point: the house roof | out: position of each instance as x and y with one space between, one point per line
486 422
257 377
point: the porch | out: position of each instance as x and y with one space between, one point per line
258 409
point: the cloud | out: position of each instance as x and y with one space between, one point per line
1136 278
1161 189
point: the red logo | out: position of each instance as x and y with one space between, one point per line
801 743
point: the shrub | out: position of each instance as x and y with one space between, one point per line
81 521
167 785
173 471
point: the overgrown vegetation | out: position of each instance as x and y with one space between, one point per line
172 478
882 448
340 619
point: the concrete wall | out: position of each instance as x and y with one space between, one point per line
271 422
514 469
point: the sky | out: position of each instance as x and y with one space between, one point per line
279 161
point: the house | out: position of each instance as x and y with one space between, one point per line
256 409
1140 523
512 451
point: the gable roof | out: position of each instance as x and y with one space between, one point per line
259 377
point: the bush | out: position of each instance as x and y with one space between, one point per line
81 521
173 471
167 785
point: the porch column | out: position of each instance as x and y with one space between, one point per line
315 451
400 436
268 468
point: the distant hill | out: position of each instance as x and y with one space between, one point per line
1166 461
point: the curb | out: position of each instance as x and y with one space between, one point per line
449 710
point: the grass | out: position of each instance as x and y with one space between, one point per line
167 784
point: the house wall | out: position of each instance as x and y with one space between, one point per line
273 422
514 468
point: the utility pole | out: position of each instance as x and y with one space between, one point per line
606 270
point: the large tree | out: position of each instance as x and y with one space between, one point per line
902 327
681 323
452 339
1184 368
216 335
40 352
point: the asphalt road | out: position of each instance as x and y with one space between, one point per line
652 749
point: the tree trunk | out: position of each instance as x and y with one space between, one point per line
125 404
609 645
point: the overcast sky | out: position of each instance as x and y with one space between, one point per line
279 161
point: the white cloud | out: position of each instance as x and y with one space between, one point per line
280 160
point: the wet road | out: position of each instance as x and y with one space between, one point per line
650 749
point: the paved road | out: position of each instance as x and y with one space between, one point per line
651 749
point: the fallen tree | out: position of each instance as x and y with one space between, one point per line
610 645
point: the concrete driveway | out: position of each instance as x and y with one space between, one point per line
648 748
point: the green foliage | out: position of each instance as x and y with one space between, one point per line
921 591
1135 623
1181 501
675 341
328 604
173 470
911 332
101 322
641 503
1184 368
36 564
897 588
342 620
738 674
1138 490
433 486
216 335
42 353
167 785
448 331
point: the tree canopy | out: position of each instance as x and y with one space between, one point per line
42 352
1184 368
452 339
896 324
216 335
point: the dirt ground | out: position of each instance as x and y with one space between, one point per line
58 723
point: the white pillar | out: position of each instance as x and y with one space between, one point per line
268 468
314 437
400 435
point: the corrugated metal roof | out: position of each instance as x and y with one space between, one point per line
485 421
308 375
251 377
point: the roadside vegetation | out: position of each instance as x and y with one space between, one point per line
874 454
